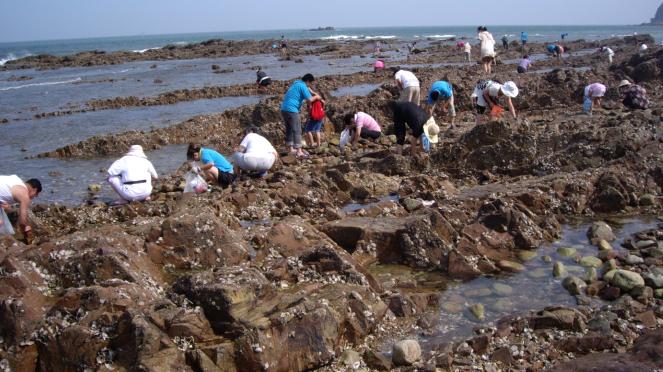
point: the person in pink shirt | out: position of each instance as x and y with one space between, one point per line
362 125
378 66
592 96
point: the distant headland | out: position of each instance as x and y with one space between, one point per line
328 28
658 18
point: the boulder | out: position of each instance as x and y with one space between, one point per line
600 231
626 280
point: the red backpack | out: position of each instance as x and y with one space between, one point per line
317 110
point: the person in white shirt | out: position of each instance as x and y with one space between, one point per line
486 96
487 49
468 51
609 52
409 85
131 176
12 191
255 153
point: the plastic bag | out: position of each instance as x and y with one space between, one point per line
496 112
587 104
425 142
345 139
194 183
5 225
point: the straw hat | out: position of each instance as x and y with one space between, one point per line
136 150
624 83
510 89
432 130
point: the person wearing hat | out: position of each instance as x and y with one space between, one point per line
255 153
487 93
409 85
442 91
215 166
361 125
131 176
634 96
298 92
423 130
592 96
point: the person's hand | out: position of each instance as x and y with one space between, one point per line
4 205
27 234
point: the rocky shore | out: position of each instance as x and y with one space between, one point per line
278 274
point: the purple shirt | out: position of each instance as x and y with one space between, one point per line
525 63
364 120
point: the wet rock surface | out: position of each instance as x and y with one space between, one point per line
277 274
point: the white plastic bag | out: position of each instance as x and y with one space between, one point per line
194 183
345 138
5 225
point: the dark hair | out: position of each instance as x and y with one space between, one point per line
434 95
395 69
348 118
192 149
251 129
35 184
308 78
525 56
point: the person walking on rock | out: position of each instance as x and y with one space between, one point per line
442 91
131 176
523 39
13 190
255 153
361 125
215 168
298 92
423 130
409 85
486 97
592 97
487 49
634 96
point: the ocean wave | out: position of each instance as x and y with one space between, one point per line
141 51
12 57
340 37
440 36
41 84
380 37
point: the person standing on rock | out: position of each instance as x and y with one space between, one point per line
487 49
361 125
255 153
486 98
505 42
523 39
468 51
592 97
215 168
262 80
12 191
131 176
298 92
409 85
442 91
634 96
423 130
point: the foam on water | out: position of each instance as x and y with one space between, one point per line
41 84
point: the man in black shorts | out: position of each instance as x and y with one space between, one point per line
421 124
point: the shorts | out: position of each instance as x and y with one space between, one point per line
481 109
313 126
225 179
521 70
265 82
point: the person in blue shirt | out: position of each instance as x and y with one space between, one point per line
523 39
215 167
442 91
298 92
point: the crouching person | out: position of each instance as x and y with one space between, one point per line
131 176
13 190
255 154
216 168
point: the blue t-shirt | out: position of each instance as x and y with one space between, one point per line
523 36
551 48
298 92
209 156
442 87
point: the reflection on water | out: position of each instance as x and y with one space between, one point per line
355 90
353 207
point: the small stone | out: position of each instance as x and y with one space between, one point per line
527 255
502 305
453 307
604 245
608 275
647 200
478 292
538 273
546 259
94 187
632 259
574 285
502 289
566 251
600 230
377 361
392 138
642 244
406 352
478 311
591 274
559 270
351 359
627 280
510 266
609 266
590 261
412 204
653 280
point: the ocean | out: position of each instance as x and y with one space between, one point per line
139 43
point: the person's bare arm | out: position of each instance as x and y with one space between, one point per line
20 194
355 140
486 97
511 108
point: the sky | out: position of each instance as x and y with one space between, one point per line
25 20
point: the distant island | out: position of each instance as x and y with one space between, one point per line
328 28
658 18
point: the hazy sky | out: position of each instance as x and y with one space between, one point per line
22 20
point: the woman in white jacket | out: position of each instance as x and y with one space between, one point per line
487 49
131 176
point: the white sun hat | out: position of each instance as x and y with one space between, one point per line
624 83
510 89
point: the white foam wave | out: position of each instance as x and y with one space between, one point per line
12 57
340 37
141 51
440 36
385 37
42 84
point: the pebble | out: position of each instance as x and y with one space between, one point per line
627 280
502 289
351 359
566 251
591 274
604 245
478 311
478 292
590 261
527 255
510 266
647 200
559 270
634 260
406 352
546 259
574 285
